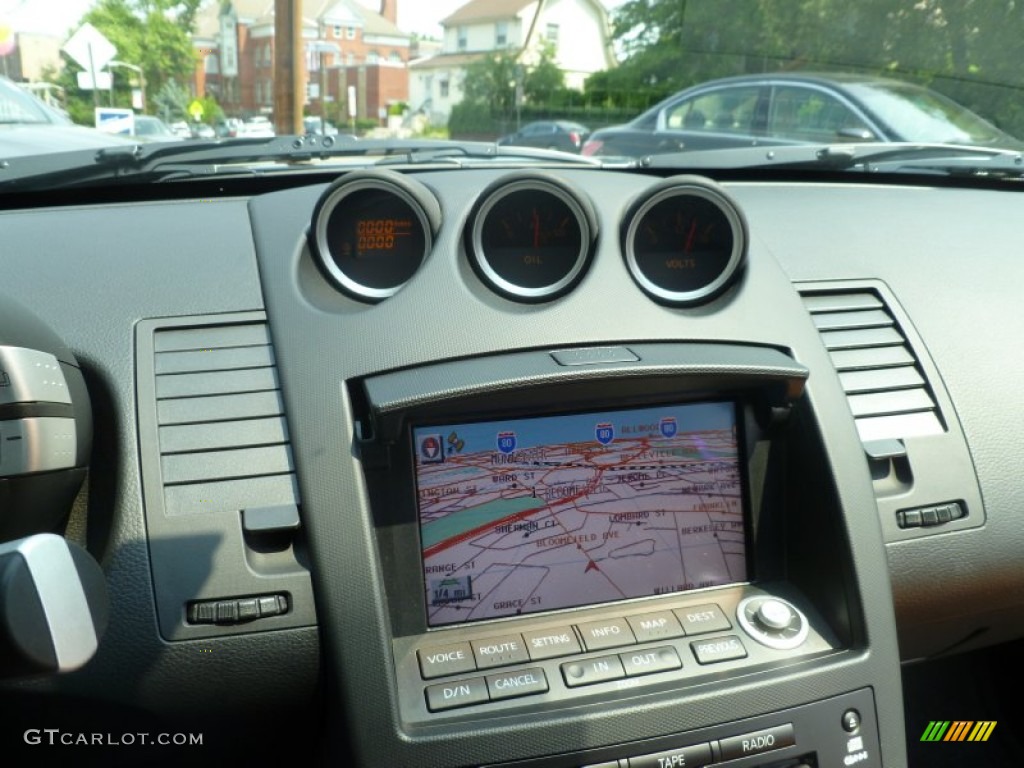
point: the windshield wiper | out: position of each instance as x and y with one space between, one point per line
155 162
871 157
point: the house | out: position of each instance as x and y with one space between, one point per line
346 45
577 30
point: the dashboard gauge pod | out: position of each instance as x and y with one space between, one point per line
530 236
372 230
684 241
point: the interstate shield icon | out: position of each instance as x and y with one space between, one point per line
506 442
604 432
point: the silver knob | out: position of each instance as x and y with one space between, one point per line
774 614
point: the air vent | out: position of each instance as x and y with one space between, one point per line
880 373
221 430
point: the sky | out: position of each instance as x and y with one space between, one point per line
57 16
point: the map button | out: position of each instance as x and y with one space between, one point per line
716 649
650 661
598 635
591 671
661 625
522 682
549 643
461 693
703 618
499 651
444 660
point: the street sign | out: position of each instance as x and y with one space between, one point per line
114 120
89 48
195 109
103 81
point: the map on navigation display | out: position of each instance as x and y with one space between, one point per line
554 512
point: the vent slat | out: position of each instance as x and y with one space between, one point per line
224 465
230 495
868 337
841 302
218 383
875 357
881 379
223 434
211 337
884 403
231 358
223 408
874 318
900 426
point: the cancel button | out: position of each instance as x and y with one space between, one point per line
521 683
757 742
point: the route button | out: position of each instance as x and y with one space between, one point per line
649 627
703 618
548 643
499 651
444 660
598 635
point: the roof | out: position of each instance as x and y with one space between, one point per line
483 10
445 60
208 18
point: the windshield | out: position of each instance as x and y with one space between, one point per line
616 79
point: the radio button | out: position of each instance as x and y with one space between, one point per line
499 651
703 618
523 682
599 635
591 671
460 693
649 661
549 643
650 627
684 757
443 660
716 649
757 742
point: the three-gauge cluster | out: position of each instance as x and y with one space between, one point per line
530 236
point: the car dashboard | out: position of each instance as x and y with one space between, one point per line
511 466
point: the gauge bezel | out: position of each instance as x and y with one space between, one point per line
585 220
422 202
688 187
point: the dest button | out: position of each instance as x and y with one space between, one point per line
461 693
703 618
684 757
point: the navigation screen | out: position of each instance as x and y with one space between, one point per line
555 512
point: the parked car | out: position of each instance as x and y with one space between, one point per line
797 108
28 126
258 126
313 124
549 134
149 128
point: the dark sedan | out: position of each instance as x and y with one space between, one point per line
549 134
796 109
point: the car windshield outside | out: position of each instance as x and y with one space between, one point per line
622 78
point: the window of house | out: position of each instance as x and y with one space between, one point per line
212 64
551 33
350 33
373 57
268 54
337 30
462 36
350 59
268 91
500 34
395 57
442 88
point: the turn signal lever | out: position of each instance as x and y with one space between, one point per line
53 606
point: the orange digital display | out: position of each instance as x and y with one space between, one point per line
380 234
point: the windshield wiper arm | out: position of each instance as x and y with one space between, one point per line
139 162
951 158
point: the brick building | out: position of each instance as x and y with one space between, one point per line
346 44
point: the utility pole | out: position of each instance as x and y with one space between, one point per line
289 88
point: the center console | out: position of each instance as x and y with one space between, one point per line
572 528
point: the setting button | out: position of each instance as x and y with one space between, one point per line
650 661
461 693
523 682
649 627
446 660
716 649
703 618
591 671
684 757
499 651
548 643
598 635
757 742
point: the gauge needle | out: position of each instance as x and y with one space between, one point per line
689 237
536 229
